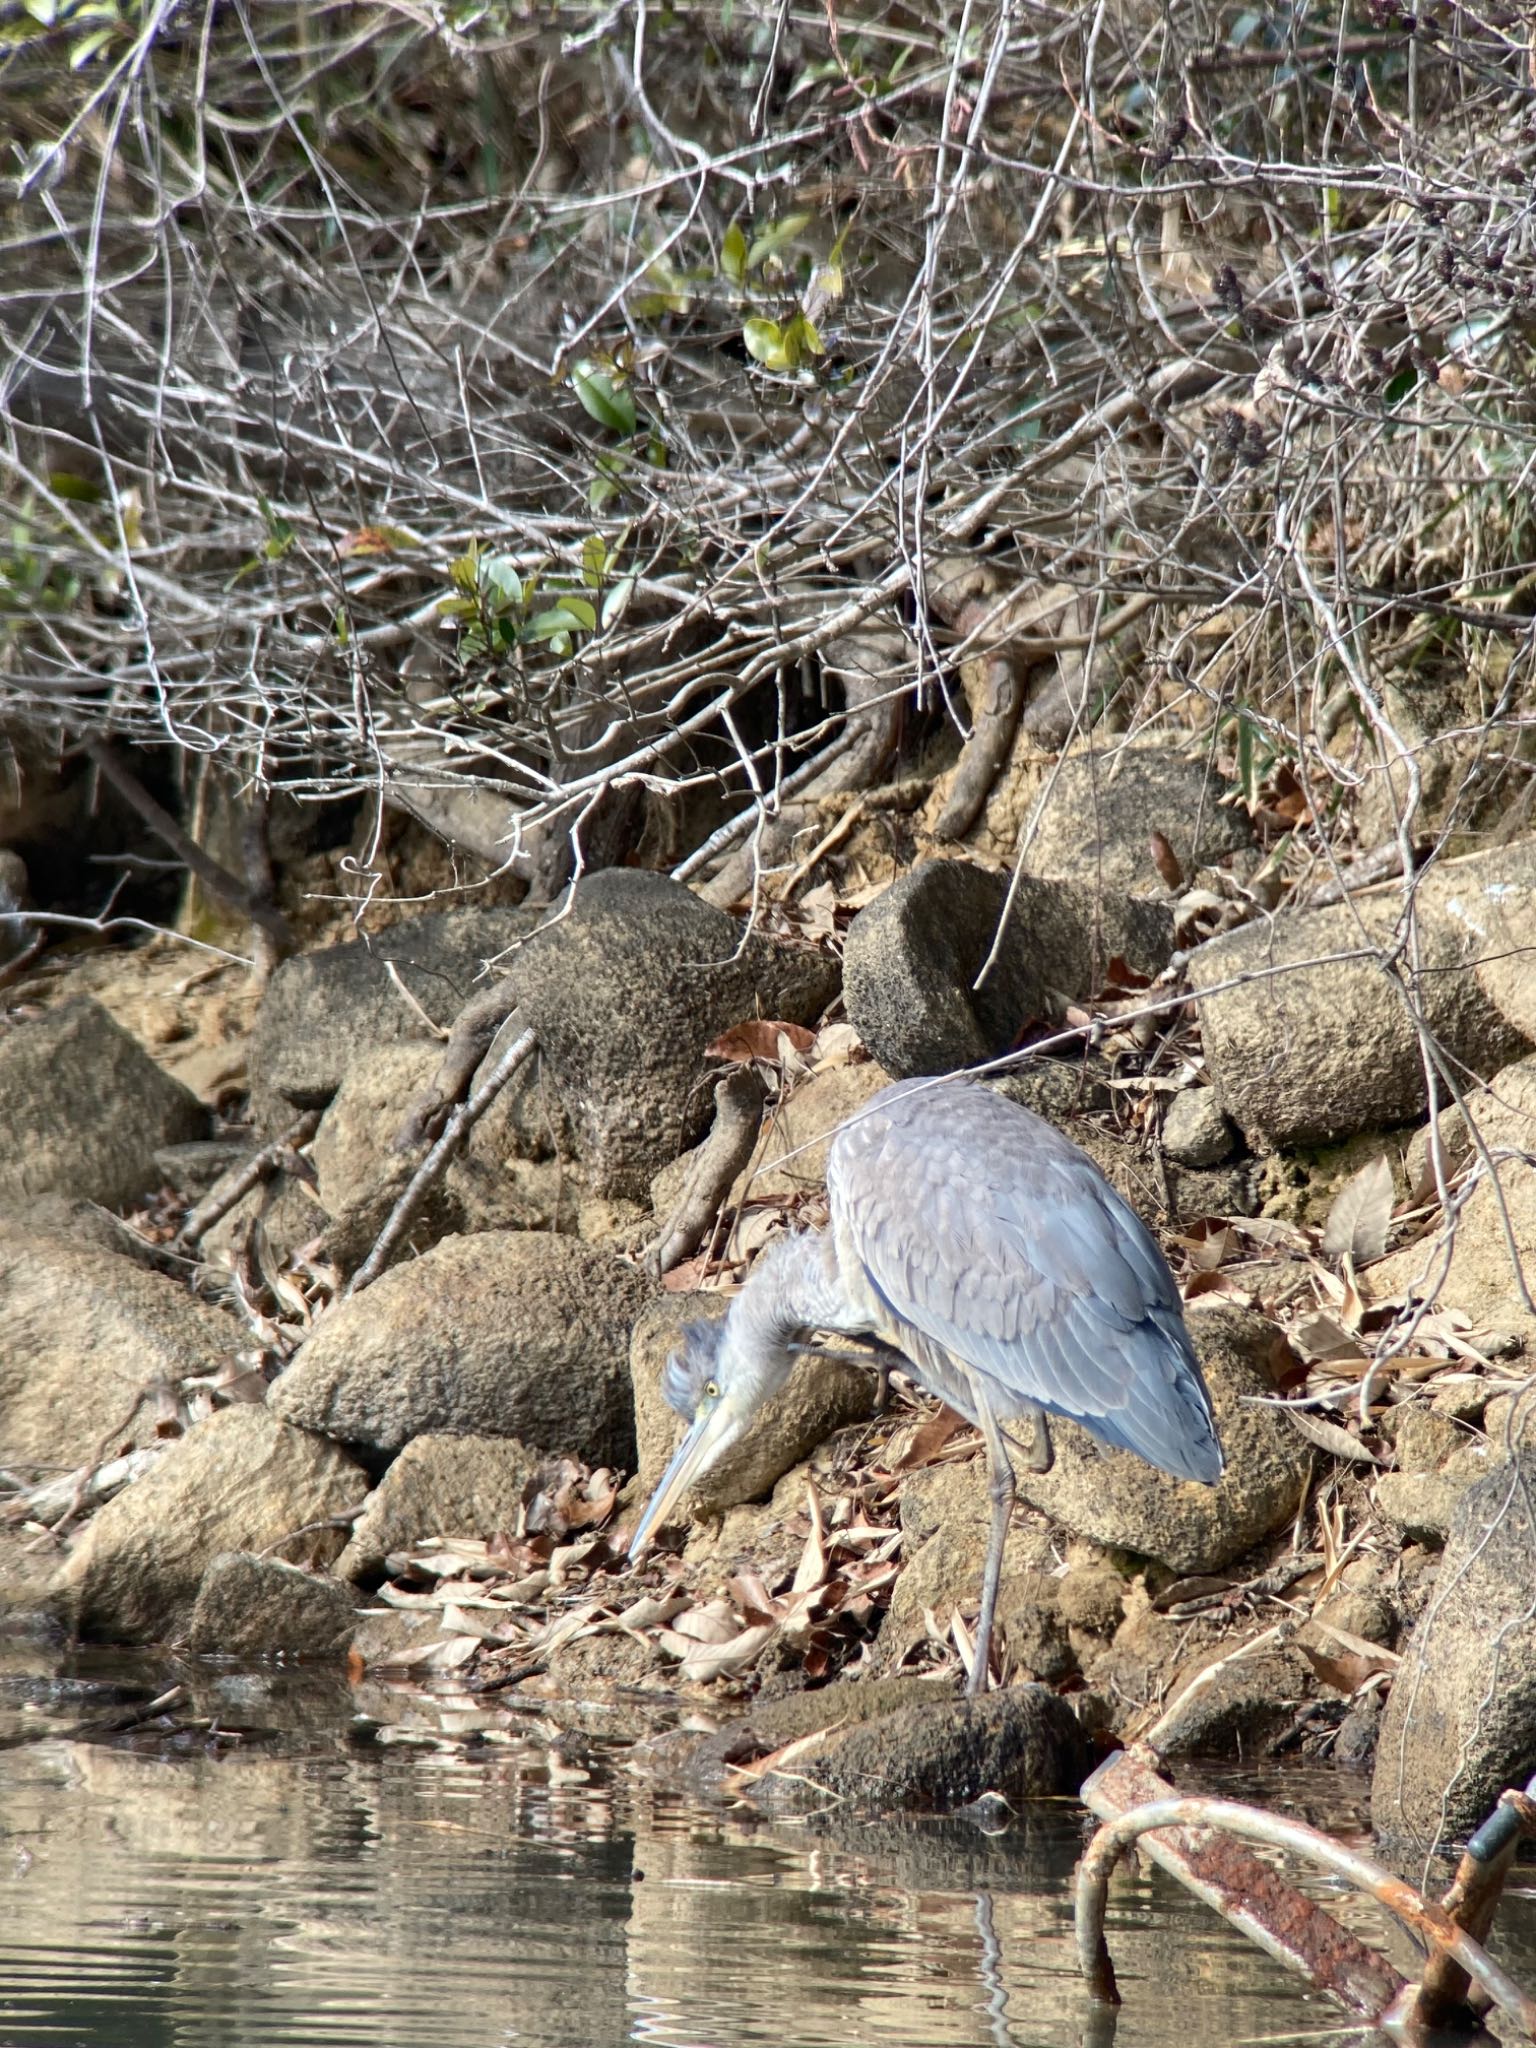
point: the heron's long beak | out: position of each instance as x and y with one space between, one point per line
710 1433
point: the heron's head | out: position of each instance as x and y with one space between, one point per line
705 1381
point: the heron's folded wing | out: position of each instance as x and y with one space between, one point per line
989 1234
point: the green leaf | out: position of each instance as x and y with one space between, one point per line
90 46
765 343
611 405
1400 386
594 560
733 254
616 603
599 492
78 490
500 581
555 624
775 238
801 339
582 610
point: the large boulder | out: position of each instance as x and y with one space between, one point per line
250 1606
323 1010
440 1486
625 991
1460 1724
503 1179
939 1753
945 1519
89 1339
1120 1501
83 1107
241 1480
1095 819
1491 897
1308 1046
913 960
822 1394
506 1333
1480 1275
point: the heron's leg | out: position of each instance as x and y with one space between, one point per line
1000 1489
1042 1454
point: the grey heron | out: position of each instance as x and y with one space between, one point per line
968 1234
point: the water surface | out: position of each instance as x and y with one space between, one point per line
324 1881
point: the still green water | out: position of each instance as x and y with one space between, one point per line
327 1882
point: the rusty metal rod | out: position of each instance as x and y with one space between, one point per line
1471 1902
1429 1922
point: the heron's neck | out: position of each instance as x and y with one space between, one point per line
792 1291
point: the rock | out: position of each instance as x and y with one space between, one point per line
945 1516
1509 1423
85 1107
1363 1612
822 1395
1095 821
1491 898
1359 1732
355 1143
440 1486
1288 1050
1460 1722
250 1606
1239 1714
506 1333
1092 1597
894 1742
1021 1743
1033 1631
912 957
504 1179
286 1212
1479 1277
1196 1129
322 1010
393 1635
792 1152
26 1580
1118 1500
87 1333
241 1480
1423 1504
1421 1439
15 895
625 992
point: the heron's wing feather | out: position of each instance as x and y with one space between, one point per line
988 1235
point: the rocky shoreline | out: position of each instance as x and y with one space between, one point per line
209 1441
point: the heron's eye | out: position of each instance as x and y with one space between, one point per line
711 1390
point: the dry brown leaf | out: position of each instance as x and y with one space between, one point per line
726 1660
1328 1436
757 1038
1165 860
812 1568
1361 1214
1318 1335
928 1439
836 1045
712 1624
780 1759
652 1611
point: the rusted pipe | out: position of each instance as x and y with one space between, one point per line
1248 1892
1471 1902
1429 1923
